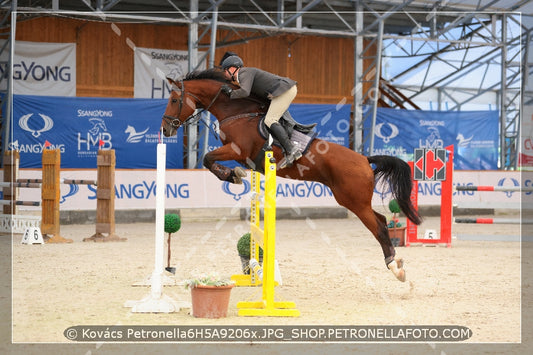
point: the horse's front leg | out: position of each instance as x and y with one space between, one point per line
225 153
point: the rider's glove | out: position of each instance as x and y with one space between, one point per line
226 89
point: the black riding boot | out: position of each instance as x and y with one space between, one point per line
291 152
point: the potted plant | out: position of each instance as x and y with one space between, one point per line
243 248
396 228
210 295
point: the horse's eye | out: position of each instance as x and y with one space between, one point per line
174 101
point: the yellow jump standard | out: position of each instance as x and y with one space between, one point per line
256 233
266 307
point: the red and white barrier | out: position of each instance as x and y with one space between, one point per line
493 188
493 220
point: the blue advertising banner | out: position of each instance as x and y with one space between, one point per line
474 135
333 123
80 126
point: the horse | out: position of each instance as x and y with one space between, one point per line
350 175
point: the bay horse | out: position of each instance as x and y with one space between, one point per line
348 174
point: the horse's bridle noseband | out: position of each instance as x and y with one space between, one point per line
175 122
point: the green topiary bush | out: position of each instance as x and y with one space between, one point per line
243 246
394 207
172 223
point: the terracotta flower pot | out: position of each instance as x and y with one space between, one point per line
210 301
397 236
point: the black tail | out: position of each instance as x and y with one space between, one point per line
398 175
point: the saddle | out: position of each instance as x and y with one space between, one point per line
289 123
299 133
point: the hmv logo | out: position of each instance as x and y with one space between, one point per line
37 72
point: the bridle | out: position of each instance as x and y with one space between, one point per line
175 122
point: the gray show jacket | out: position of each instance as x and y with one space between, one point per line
261 83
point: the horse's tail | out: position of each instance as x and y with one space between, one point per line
398 175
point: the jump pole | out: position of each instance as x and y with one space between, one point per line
105 194
10 221
493 220
494 188
267 306
50 195
156 301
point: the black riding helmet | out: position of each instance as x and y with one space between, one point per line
232 61
227 54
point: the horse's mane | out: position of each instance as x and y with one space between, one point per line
218 75
212 73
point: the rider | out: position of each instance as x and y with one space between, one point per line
279 90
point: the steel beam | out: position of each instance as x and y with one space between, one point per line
358 83
377 76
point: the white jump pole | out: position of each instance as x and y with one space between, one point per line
157 286
156 302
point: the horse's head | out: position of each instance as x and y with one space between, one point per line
180 108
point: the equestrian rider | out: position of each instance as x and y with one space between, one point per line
279 90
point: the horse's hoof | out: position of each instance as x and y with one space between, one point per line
396 266
238 173
399 262
401 275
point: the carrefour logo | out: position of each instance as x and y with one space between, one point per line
37 125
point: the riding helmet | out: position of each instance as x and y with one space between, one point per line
232 61
227 54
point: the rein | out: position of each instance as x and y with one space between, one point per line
242 115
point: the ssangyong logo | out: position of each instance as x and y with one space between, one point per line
382 190
236 190
73 190
38 126
515 183
386 134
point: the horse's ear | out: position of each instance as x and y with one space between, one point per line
171 81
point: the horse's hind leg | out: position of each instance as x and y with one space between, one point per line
377 224
383 237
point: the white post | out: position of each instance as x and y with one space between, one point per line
156 302
159 220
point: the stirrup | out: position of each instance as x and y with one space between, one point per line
290 159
